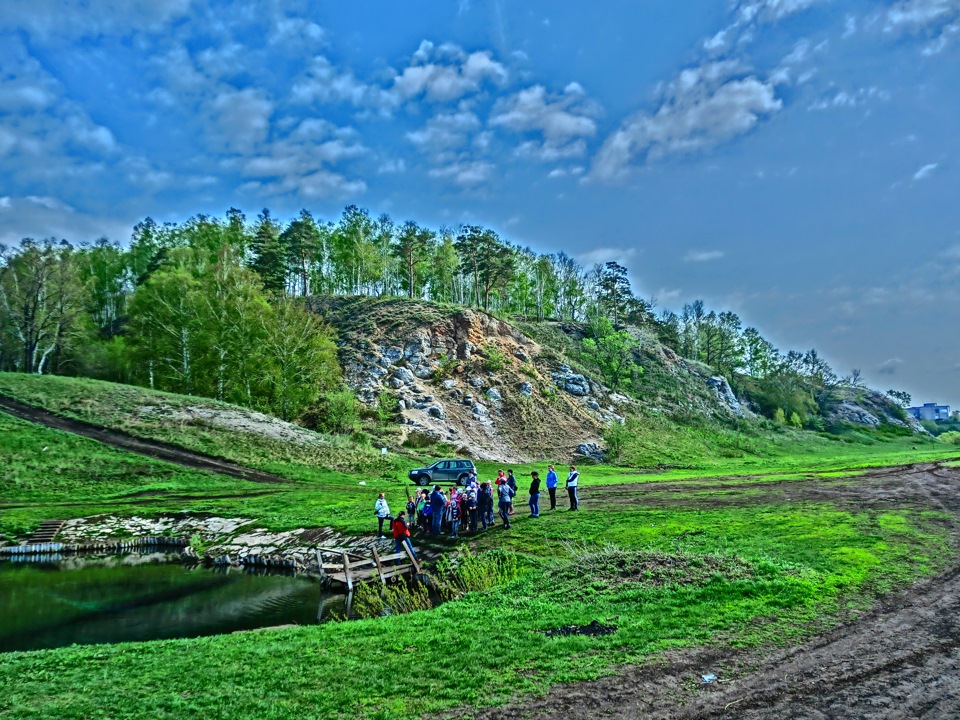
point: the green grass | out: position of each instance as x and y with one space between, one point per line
760 570
796 569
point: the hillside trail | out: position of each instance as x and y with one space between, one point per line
899 660
148 448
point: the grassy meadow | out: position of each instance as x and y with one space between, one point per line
709 557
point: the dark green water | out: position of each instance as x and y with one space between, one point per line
144 597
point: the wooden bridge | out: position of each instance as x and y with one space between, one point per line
349 568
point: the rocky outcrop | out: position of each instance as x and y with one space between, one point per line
725 393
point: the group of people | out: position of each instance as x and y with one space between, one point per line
471 507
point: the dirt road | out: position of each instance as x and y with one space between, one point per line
901 660
150 448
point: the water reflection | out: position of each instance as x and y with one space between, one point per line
142 596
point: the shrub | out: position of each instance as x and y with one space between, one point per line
952 437
494 359
334 412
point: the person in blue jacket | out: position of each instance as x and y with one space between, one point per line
437 503
552 486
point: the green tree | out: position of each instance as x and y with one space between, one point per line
613 352
302 243
300 359
413 250
268 255
41 300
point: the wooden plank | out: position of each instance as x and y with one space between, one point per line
376 557
323 576
346 572
406 549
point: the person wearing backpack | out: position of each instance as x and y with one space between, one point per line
505 495
382 511
573 479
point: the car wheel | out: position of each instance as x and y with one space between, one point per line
462 480
423 480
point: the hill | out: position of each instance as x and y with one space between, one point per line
484 387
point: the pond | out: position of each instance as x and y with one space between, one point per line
146 597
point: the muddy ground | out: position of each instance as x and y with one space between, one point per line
901 660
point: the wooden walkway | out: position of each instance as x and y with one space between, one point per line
350 568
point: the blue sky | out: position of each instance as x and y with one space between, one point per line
792 160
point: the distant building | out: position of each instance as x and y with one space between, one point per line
930 411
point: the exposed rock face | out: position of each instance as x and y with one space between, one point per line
725 393
401 376
526 389
591 451
493 395
573 383
848 412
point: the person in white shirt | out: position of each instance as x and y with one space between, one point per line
382 511
572 480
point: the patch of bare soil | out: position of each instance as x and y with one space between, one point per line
901 660
149 448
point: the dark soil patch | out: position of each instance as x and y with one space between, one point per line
148 448
594 629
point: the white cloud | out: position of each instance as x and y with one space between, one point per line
700 256
242 117
445 131
763 11
925 172
466 173
920 15
90 18
323 82
704 106
561 121
42 216
445 73
890 366
288 30
601 255
845 99
850 27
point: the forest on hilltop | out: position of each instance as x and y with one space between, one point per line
213 307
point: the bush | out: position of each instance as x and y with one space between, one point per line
494 359
616 436
952 437
334 412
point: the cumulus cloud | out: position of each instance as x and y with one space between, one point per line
445 131
323 82
701 256
601 255
704 106
925 172
561 121
465 173
890 366
242 117
445 73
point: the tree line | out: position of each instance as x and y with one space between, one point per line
213 306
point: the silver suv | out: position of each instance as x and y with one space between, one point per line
443 471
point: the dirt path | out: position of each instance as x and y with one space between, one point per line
149 448
901 660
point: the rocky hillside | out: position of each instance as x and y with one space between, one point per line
482 385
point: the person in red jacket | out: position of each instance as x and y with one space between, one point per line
401 534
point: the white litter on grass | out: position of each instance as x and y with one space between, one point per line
708 678
362 482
